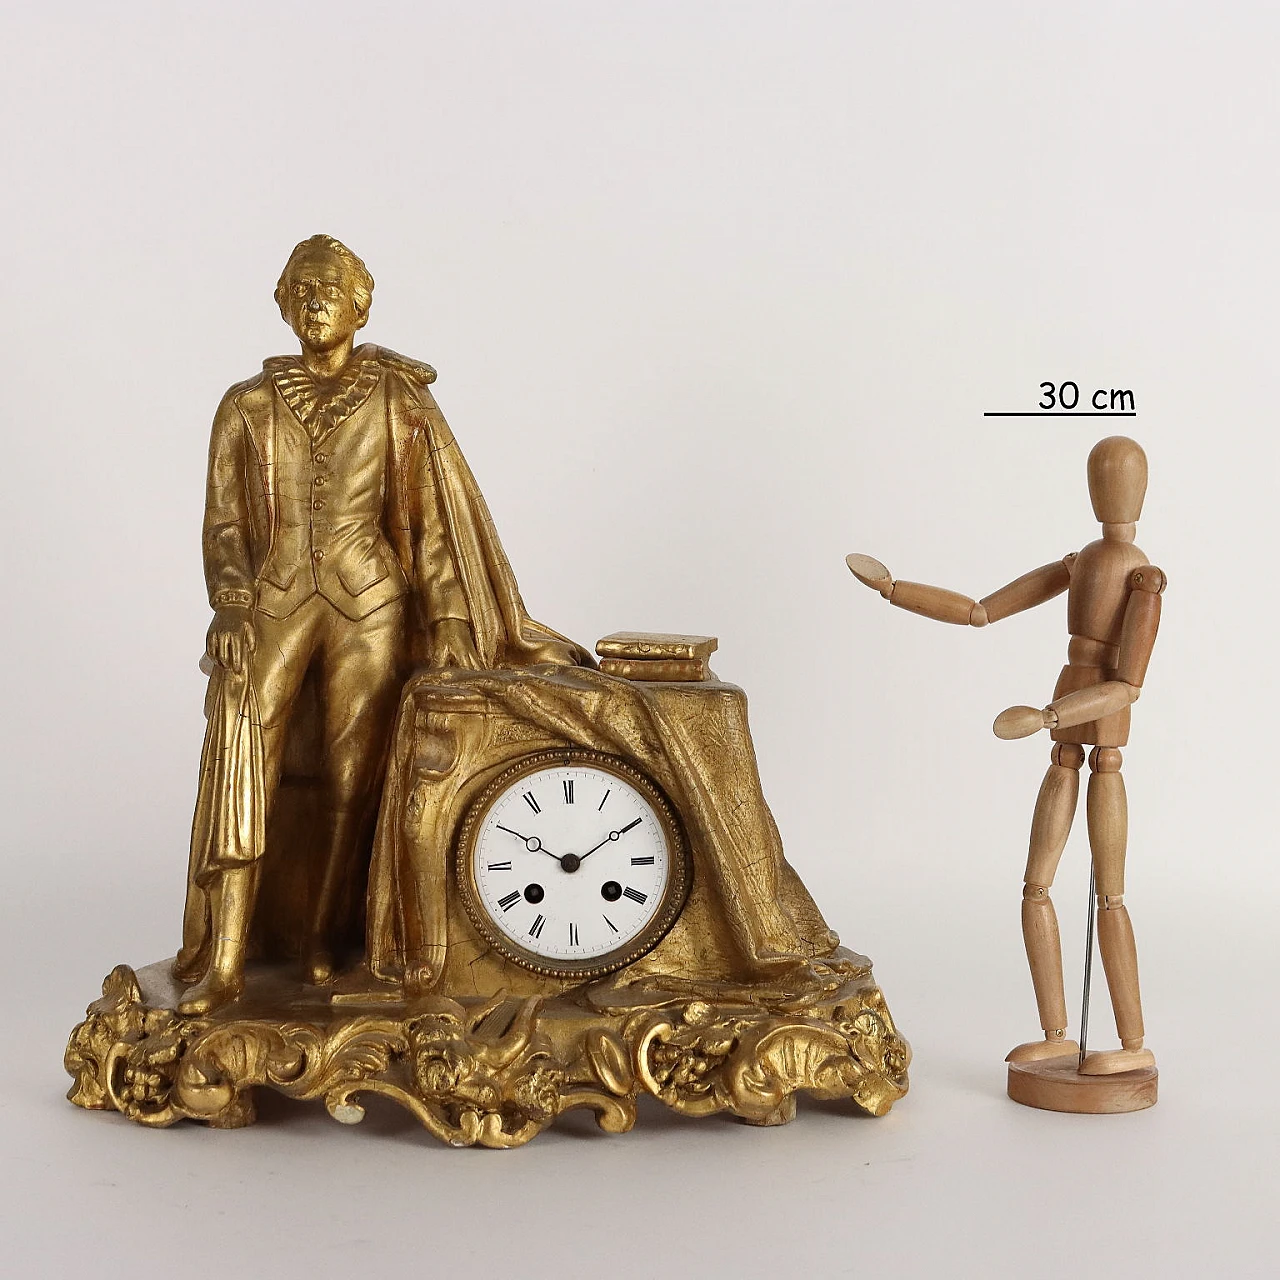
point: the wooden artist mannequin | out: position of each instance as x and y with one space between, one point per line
1113 610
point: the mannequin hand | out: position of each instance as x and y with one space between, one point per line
231 639
452 645
870 572
1022 722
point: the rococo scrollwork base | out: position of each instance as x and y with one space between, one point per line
492 1072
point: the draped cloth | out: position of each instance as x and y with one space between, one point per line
692 739
230 820
229 827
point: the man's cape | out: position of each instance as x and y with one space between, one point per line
504 633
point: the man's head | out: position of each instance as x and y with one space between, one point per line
324 292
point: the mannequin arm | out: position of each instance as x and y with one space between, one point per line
1141 622
950 606
1084 705
1031 589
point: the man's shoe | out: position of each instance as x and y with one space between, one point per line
210 993
318 968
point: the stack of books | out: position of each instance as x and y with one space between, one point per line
645 655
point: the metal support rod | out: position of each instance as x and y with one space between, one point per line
1088 965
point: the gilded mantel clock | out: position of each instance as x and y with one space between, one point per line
523 880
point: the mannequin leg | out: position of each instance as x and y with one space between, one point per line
1050 826
1108 836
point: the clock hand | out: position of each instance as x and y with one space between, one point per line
613 835
532 843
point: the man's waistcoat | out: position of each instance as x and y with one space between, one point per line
330 486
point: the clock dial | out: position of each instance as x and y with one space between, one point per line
571 863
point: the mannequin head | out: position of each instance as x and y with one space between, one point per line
1117 479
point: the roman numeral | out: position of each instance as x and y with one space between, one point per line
506 866
568 790
510 900
635 895
535 929
532 802
573 935
606 796
635 862
611 925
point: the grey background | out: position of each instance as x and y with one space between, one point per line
717 293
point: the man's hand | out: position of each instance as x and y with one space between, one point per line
452 645
231 639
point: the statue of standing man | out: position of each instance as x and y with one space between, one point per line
345 544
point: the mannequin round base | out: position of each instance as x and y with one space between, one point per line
1055 1084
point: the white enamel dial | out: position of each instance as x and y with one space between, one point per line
572 863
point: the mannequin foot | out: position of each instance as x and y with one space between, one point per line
210 993
1110 1062
318 967
1038 1050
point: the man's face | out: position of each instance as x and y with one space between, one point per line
319 302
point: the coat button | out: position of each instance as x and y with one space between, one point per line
318 503
320 459
318 555
319 481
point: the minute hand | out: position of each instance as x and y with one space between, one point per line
613 835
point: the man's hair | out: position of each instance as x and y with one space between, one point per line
362 281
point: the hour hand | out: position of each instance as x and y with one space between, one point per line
532 843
